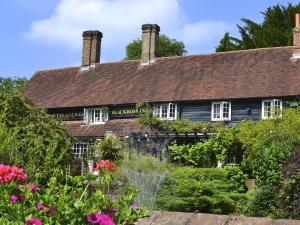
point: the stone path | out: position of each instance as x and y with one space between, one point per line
179 218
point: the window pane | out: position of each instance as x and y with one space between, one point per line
76 150
225 110
97 116
90 114
277 107
172 110
157 111
217 111
164 111
267 109
104 116
82 149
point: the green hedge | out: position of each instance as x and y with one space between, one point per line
208 190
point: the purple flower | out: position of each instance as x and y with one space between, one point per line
93 218
40 206
51 211
101 219
134 206
34 221
114 210
34 187
20 187
16 198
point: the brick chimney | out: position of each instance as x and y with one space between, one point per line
150 42
91 49
296 37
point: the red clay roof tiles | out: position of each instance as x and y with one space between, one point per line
241 74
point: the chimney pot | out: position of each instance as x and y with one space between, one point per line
297 19
296 38
150 42
91 48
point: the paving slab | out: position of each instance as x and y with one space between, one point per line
182 218
172 218
209 219
286 222
243 220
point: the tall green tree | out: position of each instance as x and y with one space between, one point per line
12 84
275 30
29 137
167 47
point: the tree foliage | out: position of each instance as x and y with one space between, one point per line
31 138
10 84
109 148
275 30
167 47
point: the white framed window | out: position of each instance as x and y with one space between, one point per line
166 111
271 108
221 111
95 116
80 149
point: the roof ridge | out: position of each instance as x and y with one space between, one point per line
228 52
170 57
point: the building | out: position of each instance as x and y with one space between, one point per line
96 98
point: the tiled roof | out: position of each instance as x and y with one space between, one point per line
121 127
240 74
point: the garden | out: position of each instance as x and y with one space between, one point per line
38 187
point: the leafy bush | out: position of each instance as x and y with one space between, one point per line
197 155
67 202
202 190
264 203
269 163
290 196
109 148
236 178
31 138
206 154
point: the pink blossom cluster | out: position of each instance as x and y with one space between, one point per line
34 221
50 210
11 173
105 164
101 219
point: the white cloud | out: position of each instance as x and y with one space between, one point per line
120 21
199 35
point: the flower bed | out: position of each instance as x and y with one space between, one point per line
67 200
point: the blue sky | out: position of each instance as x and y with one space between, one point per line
45 34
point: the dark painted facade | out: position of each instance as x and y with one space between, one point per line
241 109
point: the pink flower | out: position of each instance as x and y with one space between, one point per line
34 221
105 164
50 209
40 206
101 219
34 187
16 198
11 173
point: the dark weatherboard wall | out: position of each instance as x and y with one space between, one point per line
241 109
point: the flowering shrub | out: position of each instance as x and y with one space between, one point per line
104 169
101 219
105 165
11 173
64 201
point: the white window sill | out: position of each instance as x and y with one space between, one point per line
93 124
166 118
220 120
